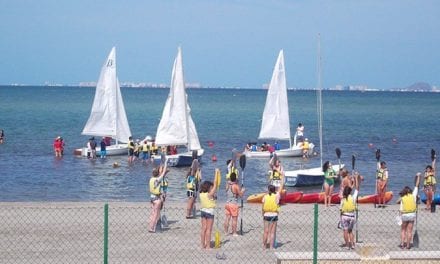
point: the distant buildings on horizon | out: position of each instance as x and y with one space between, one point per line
417 87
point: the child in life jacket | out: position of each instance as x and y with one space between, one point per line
231 207
348 213
155 196
208 203
270 209
193 178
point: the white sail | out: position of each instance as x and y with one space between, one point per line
107 117
176 126
276 122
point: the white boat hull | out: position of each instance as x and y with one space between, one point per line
306 177
291 152
183 159
112 150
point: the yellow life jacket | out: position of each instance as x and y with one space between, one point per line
305 145
408 204
381 174
191 182
270 203
145 148
275 175
154 189
348 205
228 175
206 202
430 180
130 145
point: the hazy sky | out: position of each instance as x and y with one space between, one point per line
379 43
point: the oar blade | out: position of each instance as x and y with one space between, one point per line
338 153
353 161
242 161
432 154
377 154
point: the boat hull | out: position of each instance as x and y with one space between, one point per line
112 150
306 177
180 160
370 199
291 152
286 197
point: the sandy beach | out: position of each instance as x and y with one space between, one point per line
73 232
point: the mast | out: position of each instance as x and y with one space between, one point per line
319 99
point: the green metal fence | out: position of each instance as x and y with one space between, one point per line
117 233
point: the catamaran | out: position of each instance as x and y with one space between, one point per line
312 176
176 127
276 123
107 117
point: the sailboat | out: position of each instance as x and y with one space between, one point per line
176 127
275 122
107 117
312 176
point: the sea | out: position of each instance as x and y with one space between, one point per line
405 126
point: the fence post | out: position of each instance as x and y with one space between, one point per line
315 234
106 234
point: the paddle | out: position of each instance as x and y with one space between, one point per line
353 162
416 234
338 154
242 166
163 217
217 180
378 159
194 169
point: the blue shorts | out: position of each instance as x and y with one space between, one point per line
271 218
206 215
145 155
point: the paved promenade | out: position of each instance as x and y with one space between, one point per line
73 232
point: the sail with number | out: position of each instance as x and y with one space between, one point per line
176 126
108 117
276 123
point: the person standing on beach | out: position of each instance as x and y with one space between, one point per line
408 208
346 181
193 178
208 203
348 213
429 183
276 177
381 182
270 209
329 182
155 195
103 148
231 207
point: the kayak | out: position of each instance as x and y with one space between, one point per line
319 198
436 198
372 198
291 197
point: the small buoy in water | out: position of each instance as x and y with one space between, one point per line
115 164
214 158
210 144
394 140
370 145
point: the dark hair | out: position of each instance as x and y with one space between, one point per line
271 189
206 185
325 166
228 161
383 163
406 190
233 177
155 172
428 167
346 192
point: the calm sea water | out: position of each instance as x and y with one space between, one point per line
405 126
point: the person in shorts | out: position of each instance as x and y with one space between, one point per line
408 209
208 203
348 213
231 207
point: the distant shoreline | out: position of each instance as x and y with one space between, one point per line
230 88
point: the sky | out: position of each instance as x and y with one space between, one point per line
225 43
